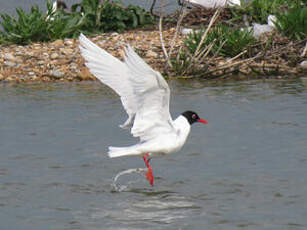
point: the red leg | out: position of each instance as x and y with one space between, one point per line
149 174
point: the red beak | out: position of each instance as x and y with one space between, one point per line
202 121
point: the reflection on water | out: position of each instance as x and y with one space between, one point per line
245 170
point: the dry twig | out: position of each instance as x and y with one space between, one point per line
161 35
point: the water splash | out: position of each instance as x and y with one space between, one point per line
118 187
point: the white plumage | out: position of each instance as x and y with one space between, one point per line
215 3
145 96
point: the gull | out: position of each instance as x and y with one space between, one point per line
145 96
215 3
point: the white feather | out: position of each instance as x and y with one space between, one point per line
215 3
145 96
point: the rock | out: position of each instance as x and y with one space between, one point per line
19 52
73 66
68 42
186 31
67 51
122 53
9 57
85 75
101 42
37 46
34 78
10 79
303 64
151 54
56 74
58 42
30 54
114 34
54 56
10 64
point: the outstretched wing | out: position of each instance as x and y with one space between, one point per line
144 93
152 96
110 71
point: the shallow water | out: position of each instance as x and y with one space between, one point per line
246 169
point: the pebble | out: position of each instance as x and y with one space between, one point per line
303 64
30 54
10 78
9 57
151 54
10 64
114 34
67 51
186 31
68 42
54 56
37 46
57 74
58 42
61 60
101 42
73 66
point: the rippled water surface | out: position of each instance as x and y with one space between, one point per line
247 169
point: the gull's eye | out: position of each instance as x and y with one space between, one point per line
194 116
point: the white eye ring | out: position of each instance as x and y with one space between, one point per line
194 116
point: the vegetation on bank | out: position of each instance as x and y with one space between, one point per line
88 17
94 16
259 10
291 15
221 45
226 35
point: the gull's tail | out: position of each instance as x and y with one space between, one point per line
123 151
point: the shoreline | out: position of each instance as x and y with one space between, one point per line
60 60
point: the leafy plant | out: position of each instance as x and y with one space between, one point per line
221 40
110 16
227 41
36 26
259 10
89 16
28 27
293 23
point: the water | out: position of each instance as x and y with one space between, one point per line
246 169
